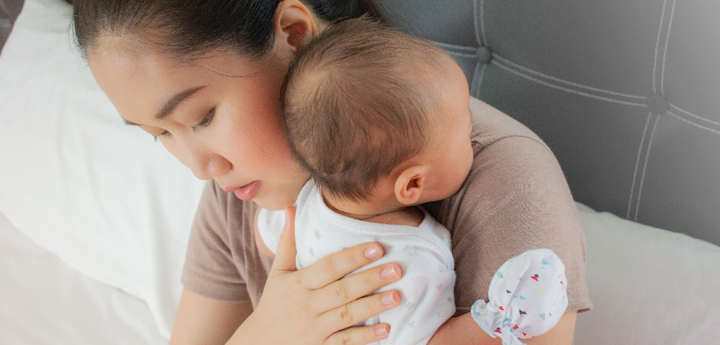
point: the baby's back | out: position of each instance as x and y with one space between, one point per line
423 252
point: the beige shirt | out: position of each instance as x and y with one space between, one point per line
514 199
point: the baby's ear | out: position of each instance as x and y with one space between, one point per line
410 184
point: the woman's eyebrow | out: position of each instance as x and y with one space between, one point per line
174 101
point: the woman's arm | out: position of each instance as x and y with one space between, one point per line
463 330
201 320
515 199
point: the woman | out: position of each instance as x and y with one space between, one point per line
203 77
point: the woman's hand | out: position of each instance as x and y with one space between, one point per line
316 305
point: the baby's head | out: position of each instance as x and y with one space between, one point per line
379 118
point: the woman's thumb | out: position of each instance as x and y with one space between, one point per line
286 251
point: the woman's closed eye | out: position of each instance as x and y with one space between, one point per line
204 123
161 135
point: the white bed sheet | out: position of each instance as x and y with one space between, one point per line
101 195
649 286
43 301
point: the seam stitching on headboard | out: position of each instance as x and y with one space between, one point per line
693 115
642 179
637 165
473 83
494 61
478 86
693 123
657 47
495 56
444 45
667 39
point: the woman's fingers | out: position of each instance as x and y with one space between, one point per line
359 335
335 266
286 251
357 285
350 314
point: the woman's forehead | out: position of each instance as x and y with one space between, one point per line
140 81
140 58
132 80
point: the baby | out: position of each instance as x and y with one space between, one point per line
381 120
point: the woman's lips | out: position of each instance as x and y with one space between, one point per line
248 191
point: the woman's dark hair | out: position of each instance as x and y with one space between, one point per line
191 27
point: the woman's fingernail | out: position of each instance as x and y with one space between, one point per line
389 273
381 331
372 252
388 299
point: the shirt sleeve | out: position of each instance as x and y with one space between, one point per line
209 269
514 200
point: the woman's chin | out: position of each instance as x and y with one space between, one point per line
272 204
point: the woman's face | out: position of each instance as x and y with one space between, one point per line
218 114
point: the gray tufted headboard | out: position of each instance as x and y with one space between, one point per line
625 92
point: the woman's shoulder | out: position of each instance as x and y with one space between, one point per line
222 229
514 199
222 212
514 178
491 125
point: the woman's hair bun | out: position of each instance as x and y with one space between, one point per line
187 28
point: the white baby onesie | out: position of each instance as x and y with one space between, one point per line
422 252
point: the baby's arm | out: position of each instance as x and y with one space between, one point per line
262 248
527 298
463 330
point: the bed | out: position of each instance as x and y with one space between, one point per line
93 223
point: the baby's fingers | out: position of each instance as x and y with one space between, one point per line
359 335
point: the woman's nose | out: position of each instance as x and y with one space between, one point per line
208 165
205 164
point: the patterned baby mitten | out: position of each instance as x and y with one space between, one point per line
526 297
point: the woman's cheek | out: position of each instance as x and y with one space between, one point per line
172 147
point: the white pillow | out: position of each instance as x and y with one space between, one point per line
101 195
649 286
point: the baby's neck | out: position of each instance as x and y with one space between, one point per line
410 216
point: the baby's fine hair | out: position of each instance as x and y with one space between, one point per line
356 105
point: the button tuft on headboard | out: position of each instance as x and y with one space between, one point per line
657 103
484 54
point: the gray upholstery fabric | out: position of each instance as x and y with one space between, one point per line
9 10
623 91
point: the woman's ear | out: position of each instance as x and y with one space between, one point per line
294 24
410 184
